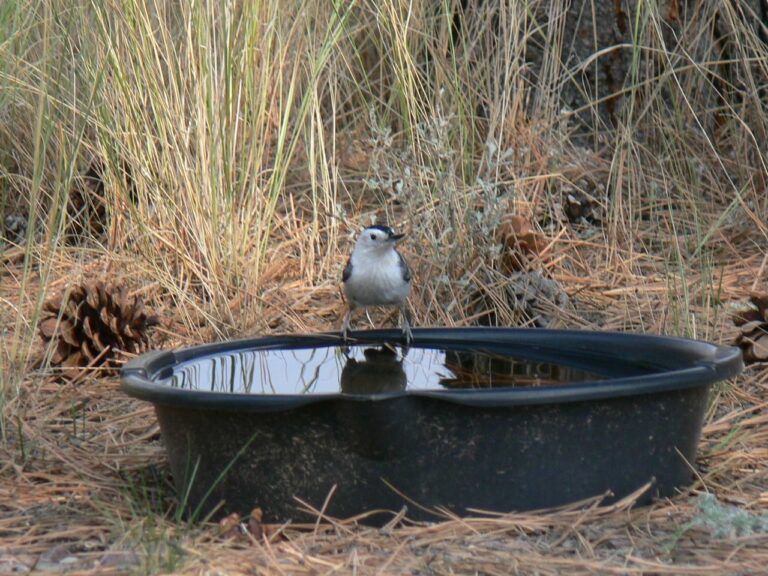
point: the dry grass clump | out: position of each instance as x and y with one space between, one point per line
596 165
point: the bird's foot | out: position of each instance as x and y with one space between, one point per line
407 334
345 326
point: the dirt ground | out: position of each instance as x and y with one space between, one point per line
85 486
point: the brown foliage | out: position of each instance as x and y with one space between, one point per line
521 244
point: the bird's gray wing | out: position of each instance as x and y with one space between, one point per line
347 271
404 268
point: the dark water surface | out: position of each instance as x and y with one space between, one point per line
364 370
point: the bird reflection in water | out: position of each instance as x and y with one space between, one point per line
380 372
365 370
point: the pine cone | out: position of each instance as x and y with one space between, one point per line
582 207
520 243
537 298
580 193
87 207
93 323
529 298
753 336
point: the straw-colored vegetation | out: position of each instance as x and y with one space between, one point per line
240 146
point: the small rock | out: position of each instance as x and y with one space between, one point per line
119 559
60 559
12 563
15 229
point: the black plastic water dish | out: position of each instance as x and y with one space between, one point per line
518 419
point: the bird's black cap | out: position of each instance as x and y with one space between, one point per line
386 229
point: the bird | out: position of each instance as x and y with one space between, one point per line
376 274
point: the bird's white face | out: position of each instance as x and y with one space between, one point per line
376 240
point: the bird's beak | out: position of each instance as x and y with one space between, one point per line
396 237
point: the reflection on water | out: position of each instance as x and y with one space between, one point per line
364 370
381 370
470 370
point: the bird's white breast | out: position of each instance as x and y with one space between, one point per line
376 280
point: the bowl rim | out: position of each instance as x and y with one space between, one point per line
682 363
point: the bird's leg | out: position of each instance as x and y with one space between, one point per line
345 324
407 335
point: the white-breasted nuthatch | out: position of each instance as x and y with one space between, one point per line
376 274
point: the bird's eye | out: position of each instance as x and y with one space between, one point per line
373 236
